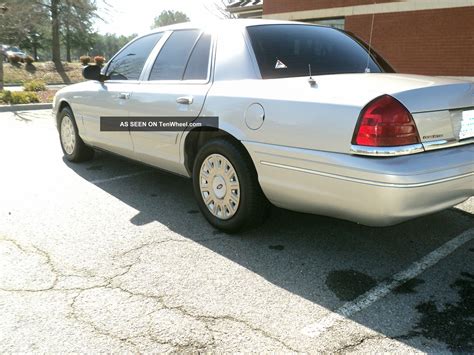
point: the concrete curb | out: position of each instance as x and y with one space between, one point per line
25 107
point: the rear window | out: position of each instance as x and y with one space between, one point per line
284 51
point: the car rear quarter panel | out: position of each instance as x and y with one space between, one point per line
323 117
296 115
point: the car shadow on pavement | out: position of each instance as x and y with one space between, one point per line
324 260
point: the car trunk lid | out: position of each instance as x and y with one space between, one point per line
443 112
443 108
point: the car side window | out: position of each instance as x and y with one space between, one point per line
170 63
198 64
128 64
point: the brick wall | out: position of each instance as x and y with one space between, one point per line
277 6
431 42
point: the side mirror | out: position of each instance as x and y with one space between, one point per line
92 72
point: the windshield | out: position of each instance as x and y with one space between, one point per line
284 51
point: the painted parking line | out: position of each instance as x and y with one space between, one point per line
384 288
120 177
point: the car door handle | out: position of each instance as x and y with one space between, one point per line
124 95
185 100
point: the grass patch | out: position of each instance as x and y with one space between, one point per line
45 71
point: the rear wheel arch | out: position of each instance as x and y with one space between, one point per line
226 185
198 137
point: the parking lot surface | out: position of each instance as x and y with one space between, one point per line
111 255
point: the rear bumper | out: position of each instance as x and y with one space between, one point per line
371 191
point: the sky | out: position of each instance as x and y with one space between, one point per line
125 19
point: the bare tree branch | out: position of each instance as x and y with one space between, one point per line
219 9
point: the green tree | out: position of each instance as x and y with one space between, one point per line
76 24
66 15
56 45
20 20
109 44
3 9
46 24
169 17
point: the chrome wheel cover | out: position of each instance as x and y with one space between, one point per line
220 187
68 135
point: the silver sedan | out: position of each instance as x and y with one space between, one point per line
305 117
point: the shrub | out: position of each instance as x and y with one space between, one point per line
29 60
99 60
18 97
85 59
14 59
24 97
5 96
35 85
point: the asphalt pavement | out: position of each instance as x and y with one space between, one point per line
113 256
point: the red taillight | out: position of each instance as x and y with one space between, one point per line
385 122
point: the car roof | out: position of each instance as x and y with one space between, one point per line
219 24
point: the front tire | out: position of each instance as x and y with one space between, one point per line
226 186
74 149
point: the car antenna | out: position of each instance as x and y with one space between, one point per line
311 81
367 69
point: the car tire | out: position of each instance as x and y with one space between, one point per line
74 148
240 203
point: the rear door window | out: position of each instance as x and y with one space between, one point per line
198 64
170 64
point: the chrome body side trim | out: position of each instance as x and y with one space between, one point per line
366 182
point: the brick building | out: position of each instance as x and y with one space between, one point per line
432 37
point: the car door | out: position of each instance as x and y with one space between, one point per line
111 98
177 85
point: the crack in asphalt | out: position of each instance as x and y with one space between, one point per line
207 321
47 260
157 242
207 318
354 345
74 315
57 275
361 340
108 283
